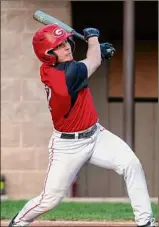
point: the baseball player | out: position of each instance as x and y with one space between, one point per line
77 135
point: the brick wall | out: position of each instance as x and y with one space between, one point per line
26 124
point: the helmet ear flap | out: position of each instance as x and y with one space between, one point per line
51 52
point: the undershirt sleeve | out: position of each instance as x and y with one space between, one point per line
76 76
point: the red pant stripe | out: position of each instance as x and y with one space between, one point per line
42 196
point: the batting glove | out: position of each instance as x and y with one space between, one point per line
90 32
107 50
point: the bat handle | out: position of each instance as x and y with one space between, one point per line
78 35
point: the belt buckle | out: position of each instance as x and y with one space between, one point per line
81 135
87 134
84 135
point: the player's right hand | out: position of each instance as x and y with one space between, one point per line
90 32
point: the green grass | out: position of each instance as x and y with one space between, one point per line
77 211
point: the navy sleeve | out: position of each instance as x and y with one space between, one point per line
76 76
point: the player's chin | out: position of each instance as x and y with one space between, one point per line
69 57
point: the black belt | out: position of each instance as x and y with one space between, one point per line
81 135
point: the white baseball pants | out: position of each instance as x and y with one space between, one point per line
67 156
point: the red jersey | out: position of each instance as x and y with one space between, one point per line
69 98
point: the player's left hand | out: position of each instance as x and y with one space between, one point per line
107 50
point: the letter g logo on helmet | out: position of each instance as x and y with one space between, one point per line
58 32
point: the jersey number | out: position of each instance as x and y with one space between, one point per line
48 93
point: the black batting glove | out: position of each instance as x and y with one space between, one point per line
107 50
90 32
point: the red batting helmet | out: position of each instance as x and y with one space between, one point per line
47 38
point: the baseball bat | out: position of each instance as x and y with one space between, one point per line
47 19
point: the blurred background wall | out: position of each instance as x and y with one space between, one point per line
25 120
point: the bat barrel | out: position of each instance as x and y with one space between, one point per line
47 19
42 17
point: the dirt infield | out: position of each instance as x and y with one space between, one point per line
76 224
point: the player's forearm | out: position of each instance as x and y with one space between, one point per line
93 56
94 52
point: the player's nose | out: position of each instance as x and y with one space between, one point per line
67 47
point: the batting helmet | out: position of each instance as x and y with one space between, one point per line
46 39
